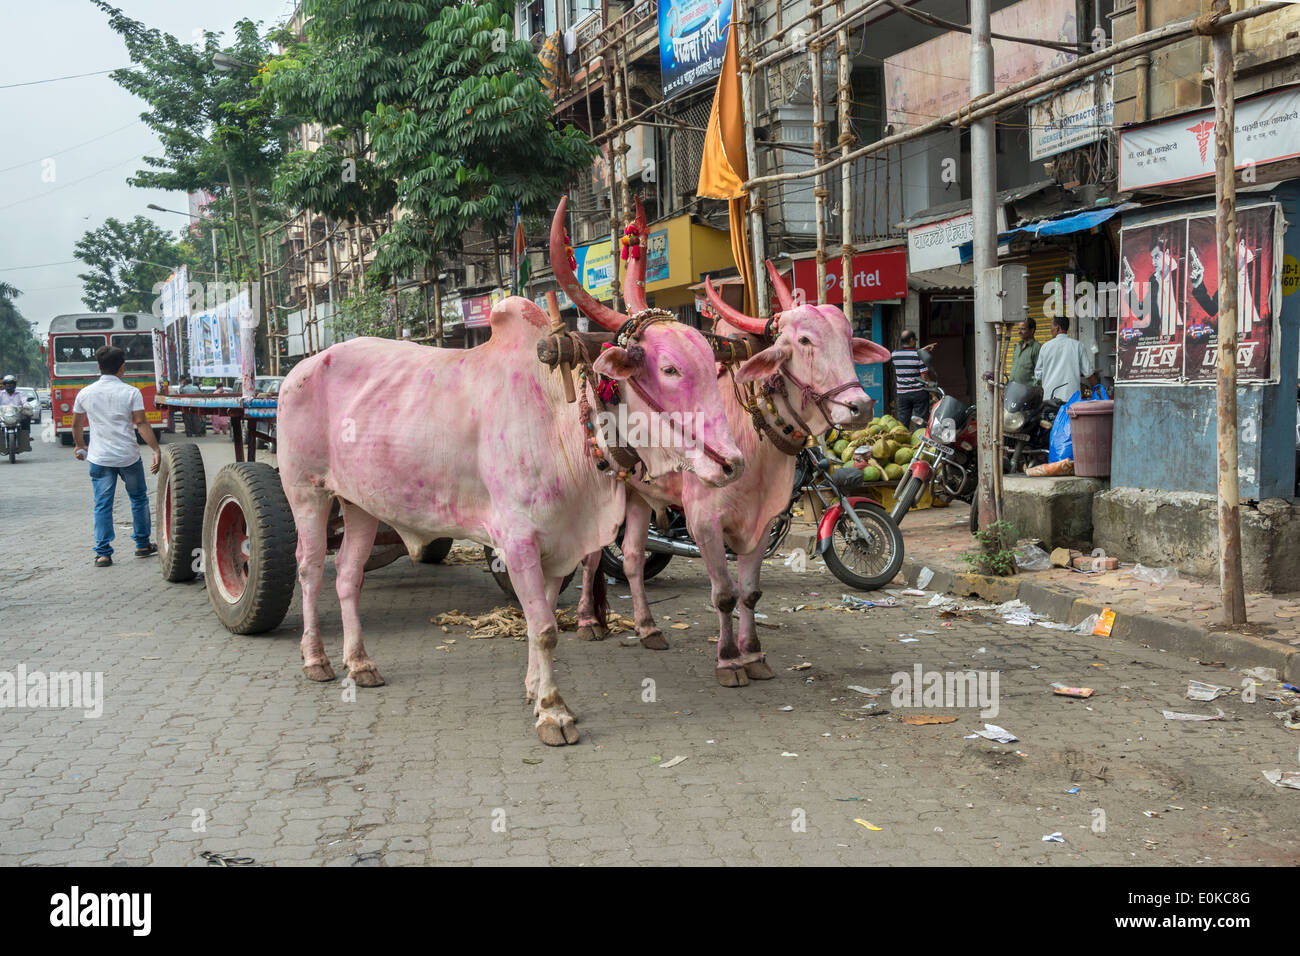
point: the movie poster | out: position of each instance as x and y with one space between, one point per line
1255 300
1151 302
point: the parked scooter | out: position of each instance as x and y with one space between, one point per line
1026 425
16 439
855 537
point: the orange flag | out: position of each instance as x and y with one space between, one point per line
723 168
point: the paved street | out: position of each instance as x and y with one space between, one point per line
215 742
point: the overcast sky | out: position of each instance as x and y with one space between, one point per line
41 220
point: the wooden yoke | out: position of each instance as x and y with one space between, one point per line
558 327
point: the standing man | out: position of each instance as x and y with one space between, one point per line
189 415
1026 355
1063 363
115 412
910 374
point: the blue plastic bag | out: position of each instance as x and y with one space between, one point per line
1060 443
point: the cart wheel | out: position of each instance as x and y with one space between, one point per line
382 557
435 551
502 576
248 548
181 493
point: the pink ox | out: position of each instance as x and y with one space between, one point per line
478 444
806 373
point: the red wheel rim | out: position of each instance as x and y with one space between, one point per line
230 550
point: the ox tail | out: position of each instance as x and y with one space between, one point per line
599 595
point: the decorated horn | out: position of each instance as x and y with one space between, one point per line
634 279
746 323
602 315
783 295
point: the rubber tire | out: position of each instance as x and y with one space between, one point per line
182 468
435 551
503 577
873 516
272 566
611 565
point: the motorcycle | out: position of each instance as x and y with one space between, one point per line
1026 425
855 536
16 438
945 455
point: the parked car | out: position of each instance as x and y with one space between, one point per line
44 394
33 402
267 384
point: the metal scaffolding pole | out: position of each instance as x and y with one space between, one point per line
983 173
757 236
820 192
845 99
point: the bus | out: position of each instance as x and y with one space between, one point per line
75 338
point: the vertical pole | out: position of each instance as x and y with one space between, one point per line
608 70
1225 225
757 238
820 192
983 174
845 96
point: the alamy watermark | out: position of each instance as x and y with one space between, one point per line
56 689
949 689
645 430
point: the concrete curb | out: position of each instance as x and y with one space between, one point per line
1061 604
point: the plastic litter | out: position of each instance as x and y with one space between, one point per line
1066 691
1199 690
1260 673
1174 715
862 604
671 763
995 733
1087 625
1033 558
1054 838
869 691
1105 623
1157 576
1283 778
1072 790
924 578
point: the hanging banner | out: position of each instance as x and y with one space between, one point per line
1168 299
692 39
1267 130
214 339
174 297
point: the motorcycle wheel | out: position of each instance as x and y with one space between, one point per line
780 528
611 562
502 576
865 565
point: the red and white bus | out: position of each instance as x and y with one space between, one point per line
74 339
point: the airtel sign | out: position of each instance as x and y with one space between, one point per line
881 274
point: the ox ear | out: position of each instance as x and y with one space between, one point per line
619 363
866 352
765 364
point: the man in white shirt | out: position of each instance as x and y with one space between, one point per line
115 412
1063 363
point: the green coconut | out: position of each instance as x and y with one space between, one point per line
917 436
893 472
903 456
871 473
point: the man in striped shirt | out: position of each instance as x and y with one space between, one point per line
910 375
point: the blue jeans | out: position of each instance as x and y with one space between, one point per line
913 403
104 480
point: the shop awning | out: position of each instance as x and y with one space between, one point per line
1063 226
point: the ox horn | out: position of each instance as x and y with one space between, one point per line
634 280
783 295
602 315
746 323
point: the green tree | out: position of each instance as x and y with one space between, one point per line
127 260
20 350
471 138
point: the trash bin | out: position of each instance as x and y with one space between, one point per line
1091 424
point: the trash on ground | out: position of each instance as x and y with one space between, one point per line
869 691
1260 673
1054 838
787 708
510 622
924 578
786 753
1017 612
1105 623
920 720
912 592
1158 576
1064 691
1072 790
532 761
909 640
679 626
671 763
1199 690
858 603
1173 715
801 667
1290 718
995 733
867 825
1283 778
1033 558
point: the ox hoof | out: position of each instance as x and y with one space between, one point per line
733 676
319 672
556 731
655 641
367 677
592 632
758 670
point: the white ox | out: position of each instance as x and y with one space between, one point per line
478 444
808 365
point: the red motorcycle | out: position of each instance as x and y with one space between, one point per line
945 456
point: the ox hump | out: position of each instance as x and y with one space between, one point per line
516 318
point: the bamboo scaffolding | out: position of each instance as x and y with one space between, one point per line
845 99
820 192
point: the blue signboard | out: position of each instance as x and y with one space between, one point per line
872 377
692 39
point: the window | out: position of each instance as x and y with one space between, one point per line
139 352
75 354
